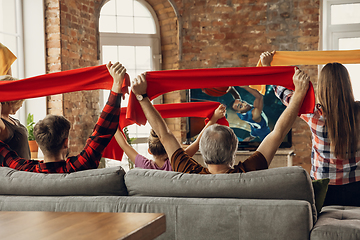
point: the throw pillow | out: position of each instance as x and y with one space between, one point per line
320 188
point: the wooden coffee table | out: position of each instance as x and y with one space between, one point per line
80 225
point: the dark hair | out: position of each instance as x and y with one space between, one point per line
337 101
155 146
51 132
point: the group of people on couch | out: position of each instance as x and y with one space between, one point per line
335 127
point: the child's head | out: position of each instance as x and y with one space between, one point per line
155 146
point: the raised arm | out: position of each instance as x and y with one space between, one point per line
154 118
218 113
128 150
271 143
258 103
105 127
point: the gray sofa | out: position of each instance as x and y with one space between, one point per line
269 204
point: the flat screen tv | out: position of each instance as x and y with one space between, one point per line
243 113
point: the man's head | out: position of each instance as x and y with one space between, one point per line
51 133
218 145
155 146
240 106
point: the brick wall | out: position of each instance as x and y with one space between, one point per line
194 34
71 42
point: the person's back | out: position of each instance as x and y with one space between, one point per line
336 145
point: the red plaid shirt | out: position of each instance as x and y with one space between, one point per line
89 158
324 163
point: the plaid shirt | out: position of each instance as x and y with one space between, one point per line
89 158
324 163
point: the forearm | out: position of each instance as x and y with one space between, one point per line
271 143
289 115
104 130
194 147
161 129
125 146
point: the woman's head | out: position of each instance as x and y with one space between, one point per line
11 107
155 146
334 86
335 95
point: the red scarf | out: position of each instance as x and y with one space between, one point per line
193 109
160 82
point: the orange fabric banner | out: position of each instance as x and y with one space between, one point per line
291 58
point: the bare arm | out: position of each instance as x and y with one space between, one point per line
129 150
154 118
218 113
234 93
258 102
271 143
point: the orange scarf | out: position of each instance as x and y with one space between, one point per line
290 58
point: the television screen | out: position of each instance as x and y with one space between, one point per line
250 114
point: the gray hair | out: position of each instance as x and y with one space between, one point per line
218 145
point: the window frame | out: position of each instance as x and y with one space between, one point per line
332 33
135 39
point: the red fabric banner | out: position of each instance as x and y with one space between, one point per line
160 82
193 109
89 78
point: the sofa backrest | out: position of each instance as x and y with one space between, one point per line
105 182
277 183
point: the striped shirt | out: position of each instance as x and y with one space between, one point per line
90 156
323 160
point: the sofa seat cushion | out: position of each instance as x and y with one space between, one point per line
278 183
337 222
105 181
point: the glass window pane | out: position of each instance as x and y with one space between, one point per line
354 69
349 43
109 53
140 10
345 13
124 8
107 24
143 56
127 56
144 25
8 16
125 24
108 9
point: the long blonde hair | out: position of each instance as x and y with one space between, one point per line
337 101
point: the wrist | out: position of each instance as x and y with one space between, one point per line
140 97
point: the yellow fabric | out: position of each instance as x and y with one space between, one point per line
6 59
289 58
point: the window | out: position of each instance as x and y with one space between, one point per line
129 33
341 31
22 31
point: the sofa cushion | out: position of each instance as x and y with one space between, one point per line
277 183
105 181
337 222
320 189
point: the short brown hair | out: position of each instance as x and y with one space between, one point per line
155 146
51 132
